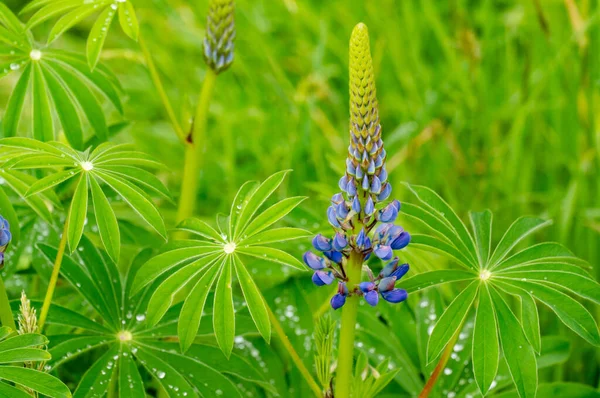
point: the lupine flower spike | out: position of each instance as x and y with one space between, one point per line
361 215
5 238
220 35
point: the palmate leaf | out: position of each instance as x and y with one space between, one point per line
56 82
126 341
216 258
16 349
89 171
69 13
545 272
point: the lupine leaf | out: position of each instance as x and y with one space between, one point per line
96 380
36 203
450 321
256 200
436 203
164 373
108 227
128 20
38 381
69 117
199 227
163 295
138 202
193 307
50 11
437 225
9 19
273 255
142 178
164 262
68 20
131 384
433 278
254 299
482 231
24 354
22 341
547 251
224 318
574 315
43 126
531 321
9 391
439 246
519 355
10 120
97 36
69 349
78 212
276 235
486 349
518 231
239 202
272 215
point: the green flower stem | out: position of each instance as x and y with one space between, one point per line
343 379
194 150
54 278
161 89
293 354
6 316
440 365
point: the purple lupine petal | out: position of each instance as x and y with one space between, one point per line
400 271
384 252
350 169
321 278
359 173
387 284
343 183
389 268
334 256
376 185
385 192
366 286
313 261
369 207
332 217
356 205
395 296
360 239
351 187
372 298
371 169
5 237
388 214
383 174
401 241
338 301
322 243
342 288
396 204
339 242
341 210
337 198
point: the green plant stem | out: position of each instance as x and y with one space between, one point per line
293 354
54 278
161 89
6 316
343 378
194 150
440 365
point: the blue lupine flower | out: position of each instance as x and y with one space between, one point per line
321 278
334 256
339 242
313 261
363 226
5 235
321 243
395 296
372 298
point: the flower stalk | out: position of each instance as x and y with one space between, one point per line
54 277
361 218
218 54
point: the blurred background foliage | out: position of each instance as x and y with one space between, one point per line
494 104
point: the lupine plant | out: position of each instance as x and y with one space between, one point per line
127 276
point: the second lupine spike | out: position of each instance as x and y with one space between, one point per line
354 213
220 35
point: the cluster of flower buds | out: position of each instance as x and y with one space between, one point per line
362 221
5 238
220 35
